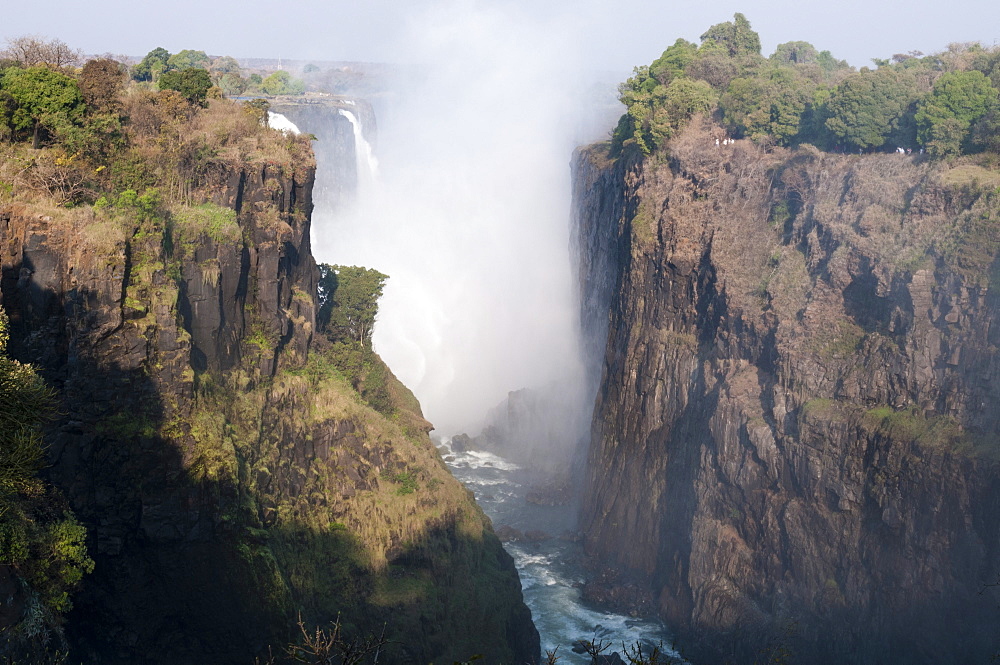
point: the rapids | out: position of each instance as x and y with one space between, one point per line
549 566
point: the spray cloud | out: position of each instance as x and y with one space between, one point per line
469 212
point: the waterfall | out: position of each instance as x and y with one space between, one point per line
281 123
363 154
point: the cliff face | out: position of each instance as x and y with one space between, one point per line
228 478
795 438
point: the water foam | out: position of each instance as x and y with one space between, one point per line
281 123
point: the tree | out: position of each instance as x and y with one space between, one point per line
30 51
945 118
673 61
348 299
188 58
770 104
101 82
794 53
257 109
232 84
225 65
46 100
41 542
736 37
154 64
24 402
282 83
192 83
985 132
866 108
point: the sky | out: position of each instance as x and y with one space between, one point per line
604 34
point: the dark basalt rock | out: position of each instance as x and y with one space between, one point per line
796 421
216 499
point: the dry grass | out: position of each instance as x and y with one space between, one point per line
971 176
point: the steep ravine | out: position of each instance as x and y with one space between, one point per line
228 479
795 437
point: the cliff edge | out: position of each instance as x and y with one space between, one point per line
795 440
231 480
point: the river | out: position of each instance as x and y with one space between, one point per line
548 560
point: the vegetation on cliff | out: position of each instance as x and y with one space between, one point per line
945 103
161 67
43 556
237 462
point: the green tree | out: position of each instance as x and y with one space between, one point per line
232 84
192 83
348 299
282 83
47 100
40 540
985 132
867 107
24 402
188 58
770 104
795 53
151 66
673 61
944 119
225 65
654 112
736 37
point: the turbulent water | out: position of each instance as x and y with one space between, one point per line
547 559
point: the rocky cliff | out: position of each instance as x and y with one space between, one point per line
229 478
795 440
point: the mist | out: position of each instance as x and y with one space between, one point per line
468 213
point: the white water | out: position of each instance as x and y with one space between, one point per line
364 156
549 569
281 123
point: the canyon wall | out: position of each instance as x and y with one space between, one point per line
230 479
795 436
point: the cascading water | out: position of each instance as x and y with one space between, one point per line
364 156
378 231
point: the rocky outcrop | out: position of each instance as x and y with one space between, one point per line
794 440
229 480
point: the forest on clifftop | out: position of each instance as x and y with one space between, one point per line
945 103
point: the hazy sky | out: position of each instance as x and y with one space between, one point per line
604 34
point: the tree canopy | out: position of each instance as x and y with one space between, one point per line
946 102
46 100
188 58
30 51
193 83
736 37
151 66
282 83
865 109
945 118
348 299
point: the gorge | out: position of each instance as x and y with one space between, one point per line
733 369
